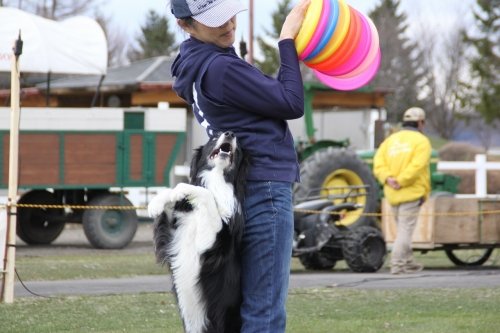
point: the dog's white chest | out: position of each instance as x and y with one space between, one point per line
195 233
222 192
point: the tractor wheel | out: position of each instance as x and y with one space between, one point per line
109 228
364 249
39 226
334 168
314 261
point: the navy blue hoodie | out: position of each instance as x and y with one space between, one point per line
227 93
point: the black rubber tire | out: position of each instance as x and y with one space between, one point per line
109 228
316 168
316 261
35 225
479 257
364 249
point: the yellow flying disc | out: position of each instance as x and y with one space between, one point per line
309 24
338 36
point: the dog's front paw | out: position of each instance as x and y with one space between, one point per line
157 205
155 208
184 191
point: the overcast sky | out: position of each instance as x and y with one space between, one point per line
438 15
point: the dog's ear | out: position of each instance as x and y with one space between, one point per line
243 165
194 163
245 160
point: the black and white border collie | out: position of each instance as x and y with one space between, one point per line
197 233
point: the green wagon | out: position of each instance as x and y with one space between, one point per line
75 163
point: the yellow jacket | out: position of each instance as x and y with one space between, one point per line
404 155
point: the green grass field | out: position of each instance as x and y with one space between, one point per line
313 310
309 311
115 265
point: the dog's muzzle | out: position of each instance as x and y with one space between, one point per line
225 146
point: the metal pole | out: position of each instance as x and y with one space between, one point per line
97 91
250 37
10 257
47 93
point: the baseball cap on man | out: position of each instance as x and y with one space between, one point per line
212 13
414 114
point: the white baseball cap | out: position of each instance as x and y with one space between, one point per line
212 13
414 114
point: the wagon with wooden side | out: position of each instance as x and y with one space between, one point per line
74 165
466 229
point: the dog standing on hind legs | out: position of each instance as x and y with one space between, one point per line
197 233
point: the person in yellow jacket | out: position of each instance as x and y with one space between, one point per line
402 164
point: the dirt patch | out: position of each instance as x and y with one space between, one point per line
73 241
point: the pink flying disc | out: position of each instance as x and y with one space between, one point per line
338 36
309 24
329 30
320 29
350 83
359 53
372 52
346 49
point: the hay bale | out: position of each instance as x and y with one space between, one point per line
459 151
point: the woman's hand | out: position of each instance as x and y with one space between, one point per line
294 20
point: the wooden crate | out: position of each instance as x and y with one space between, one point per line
449 220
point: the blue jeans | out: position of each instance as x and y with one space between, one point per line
266 255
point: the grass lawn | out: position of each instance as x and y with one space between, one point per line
309 311
115 265
314 310
86 266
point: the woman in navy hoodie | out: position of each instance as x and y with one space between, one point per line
227 93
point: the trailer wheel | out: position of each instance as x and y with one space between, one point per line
333 167
109 228
469 257
364 249
39 226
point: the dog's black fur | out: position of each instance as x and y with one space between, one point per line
219 272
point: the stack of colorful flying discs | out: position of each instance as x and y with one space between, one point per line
340 44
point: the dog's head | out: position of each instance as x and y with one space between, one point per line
221 152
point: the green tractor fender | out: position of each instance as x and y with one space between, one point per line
440 182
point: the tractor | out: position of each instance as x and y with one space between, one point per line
338 197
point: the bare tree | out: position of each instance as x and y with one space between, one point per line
446 70
400 69
118 45
53 9
117 41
